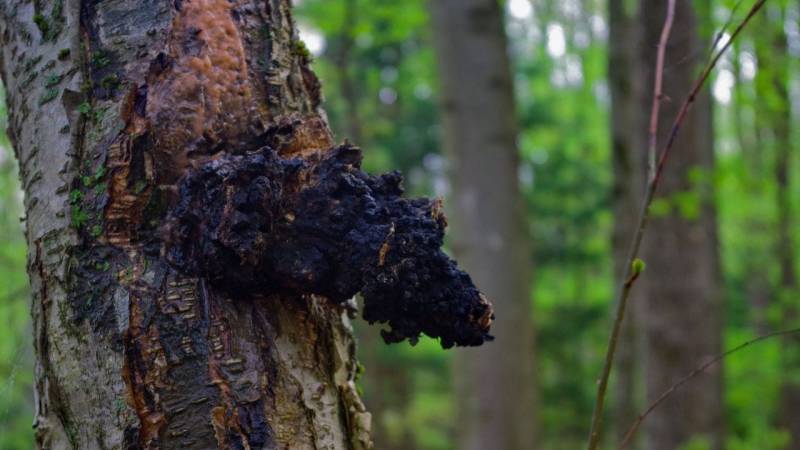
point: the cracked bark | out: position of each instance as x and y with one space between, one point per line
124 115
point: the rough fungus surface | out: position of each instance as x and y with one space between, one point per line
262 223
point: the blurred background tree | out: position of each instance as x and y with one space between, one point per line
577 82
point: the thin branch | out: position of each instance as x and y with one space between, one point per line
658 91
697 371
725 26
679 119
632 275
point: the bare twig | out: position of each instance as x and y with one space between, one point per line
631 275
725 26
658 92
697 371
652 185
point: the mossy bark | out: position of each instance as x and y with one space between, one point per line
110 104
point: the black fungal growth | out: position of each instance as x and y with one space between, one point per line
261 223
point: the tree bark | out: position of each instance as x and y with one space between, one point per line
773 105
627 149
683 311
110 103
495 390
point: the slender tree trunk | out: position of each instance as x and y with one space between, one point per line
627 159
495 390
109 104
683 311
774 106
758 289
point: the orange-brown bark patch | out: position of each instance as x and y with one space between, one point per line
203 97
145 371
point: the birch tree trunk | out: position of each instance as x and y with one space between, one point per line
104 99
681 288
495 390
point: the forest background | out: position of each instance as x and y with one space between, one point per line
377 63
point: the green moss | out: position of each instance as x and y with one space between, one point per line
301 50
97 230
42 24
50 27
84 108
53 80
79 217
360 370
75 196
48 95
98 114
100 60
58 11
63 54
109 82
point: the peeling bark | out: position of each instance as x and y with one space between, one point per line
116 108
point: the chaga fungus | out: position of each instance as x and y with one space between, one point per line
262 223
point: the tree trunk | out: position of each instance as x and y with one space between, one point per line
627 149
495 390
110 103
774 107
683 312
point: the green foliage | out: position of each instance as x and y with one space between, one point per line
16 352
